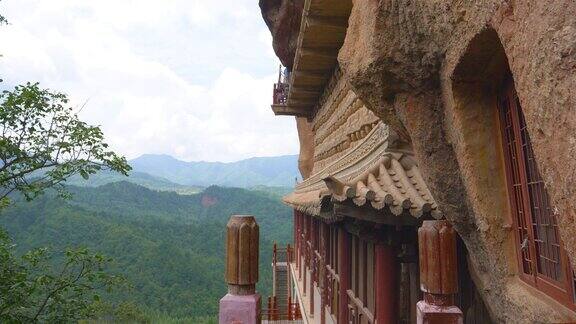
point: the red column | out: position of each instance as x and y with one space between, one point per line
386 284
296 240
438 274
305 238
295 228
323 242
313 235
343 273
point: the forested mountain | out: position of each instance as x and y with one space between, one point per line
268 171
139 178
170 247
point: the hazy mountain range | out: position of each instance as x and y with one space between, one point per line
166 173
268 171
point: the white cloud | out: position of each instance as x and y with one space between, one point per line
188 78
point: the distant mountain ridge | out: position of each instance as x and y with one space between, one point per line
279 171
140 178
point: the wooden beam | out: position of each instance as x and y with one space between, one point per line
306 90
310 74
304 95
379 217
291 110
331 7
306 102
328 53
340 23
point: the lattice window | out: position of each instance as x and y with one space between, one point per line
544 222
515 181
574 286
540 254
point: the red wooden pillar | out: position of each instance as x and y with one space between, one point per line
305 238
295 227
299 243
438 274
296 230
314 247
323 242
386 278
343 273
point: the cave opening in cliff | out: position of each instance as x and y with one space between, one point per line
493 128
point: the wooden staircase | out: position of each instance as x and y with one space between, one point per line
282 286
281 307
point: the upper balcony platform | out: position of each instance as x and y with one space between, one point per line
322 32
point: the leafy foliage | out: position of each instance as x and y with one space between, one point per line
33 290
43 143
169 247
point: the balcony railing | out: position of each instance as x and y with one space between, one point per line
280 94
273 313
281 307
358 313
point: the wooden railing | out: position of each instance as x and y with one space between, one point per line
280 310
357 312
280 92
282 254
332 284
273 312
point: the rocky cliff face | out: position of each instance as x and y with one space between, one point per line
431 70
283 18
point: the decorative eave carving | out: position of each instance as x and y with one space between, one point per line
376 173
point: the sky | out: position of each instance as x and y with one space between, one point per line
188 78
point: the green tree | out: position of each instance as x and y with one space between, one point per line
43 143
32 290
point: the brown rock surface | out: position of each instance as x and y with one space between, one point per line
430 69
404 58
283 18
306 138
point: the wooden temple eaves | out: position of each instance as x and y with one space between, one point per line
374 176
322 32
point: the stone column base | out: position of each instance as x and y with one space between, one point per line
431 314
239 309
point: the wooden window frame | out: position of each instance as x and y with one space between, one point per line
562 291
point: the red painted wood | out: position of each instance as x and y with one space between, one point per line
386 287
541 255
313 235
437 247
344 273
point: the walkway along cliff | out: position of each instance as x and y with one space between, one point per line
437 151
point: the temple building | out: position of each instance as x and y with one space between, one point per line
437 145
